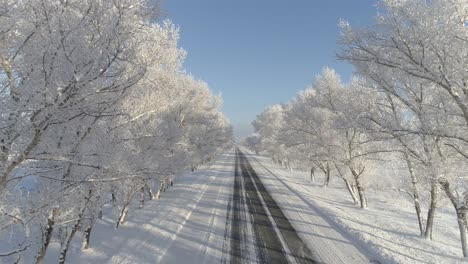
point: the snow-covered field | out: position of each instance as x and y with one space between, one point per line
187 225
387 230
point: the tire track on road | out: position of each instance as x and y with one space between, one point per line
276 241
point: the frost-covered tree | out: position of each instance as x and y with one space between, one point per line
95 109
323 124
416 55
252 142
64 64
267 125
322 128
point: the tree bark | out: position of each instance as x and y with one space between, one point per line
66 244
149 191
87 236
354 186
47 236
362 196
327 171
122 216
417 207
113 198
312 174
351 191
349 186
160 189
461 209
463 235
142 197
361 190
432 210
415 195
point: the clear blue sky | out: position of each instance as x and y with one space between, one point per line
261 52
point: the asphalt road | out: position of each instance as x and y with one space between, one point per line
258 230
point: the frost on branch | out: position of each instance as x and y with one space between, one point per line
94 109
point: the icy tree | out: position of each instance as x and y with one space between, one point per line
64 64
323 123
95 108
322 128
304 130
267 125
416 55
252 142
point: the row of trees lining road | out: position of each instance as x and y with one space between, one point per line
95 111
406 106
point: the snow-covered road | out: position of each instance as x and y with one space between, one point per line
275 239
187 225
328 243
223 213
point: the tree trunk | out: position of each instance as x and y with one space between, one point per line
463 228
47 236
415 195
360 189
114 198
432 210
122 216
354 186
87 236
142 197
362 196
417 207
327 170
149 191
66 244
312 174
349 186
461 208
351 191
158 195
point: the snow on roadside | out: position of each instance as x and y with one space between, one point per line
388 230
187 225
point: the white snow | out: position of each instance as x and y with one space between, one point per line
323 238
187 225
387 231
